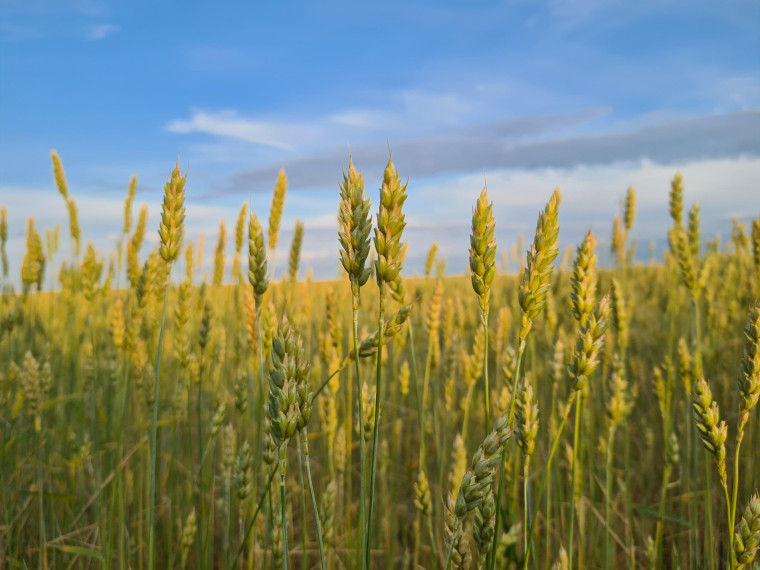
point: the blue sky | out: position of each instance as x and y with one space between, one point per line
588 95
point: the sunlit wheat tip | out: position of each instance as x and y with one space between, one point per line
171 229
295 251
422 498
430 259
390 225
711 429
583 280
74 228
257 258
288 372
92 269
562 562
621 313
475 482
131 191
189 531
618 404
526 417
676 199
219 252
749 375
276 209
589 344
116 319
355 225
483 250
59 175
630 208
534 284
240 228
694 235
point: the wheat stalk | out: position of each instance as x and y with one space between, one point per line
171 231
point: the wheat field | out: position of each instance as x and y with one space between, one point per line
572 414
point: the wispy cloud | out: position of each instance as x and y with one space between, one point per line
405 113
217 59
499 145
280 135
361 118
25 21
102 31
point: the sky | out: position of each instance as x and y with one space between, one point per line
590 96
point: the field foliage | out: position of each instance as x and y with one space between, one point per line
561 416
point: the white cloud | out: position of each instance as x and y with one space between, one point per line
591 196
101 31
363 118
402 114
227 123
436 107
436 210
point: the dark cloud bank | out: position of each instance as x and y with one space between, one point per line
498 145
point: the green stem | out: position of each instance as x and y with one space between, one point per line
485 371
283 505
520 352
455 532
227 521
42 561
608 549
526 472
305 441
154 434
304 554
570 402
433 547
362 448
732 509
708 493
661 513
249 528
708 509
420 402
202 459
417 532
467 406
667 471
691 508
729 514
259 409
326 381
575 492
375 434
416 387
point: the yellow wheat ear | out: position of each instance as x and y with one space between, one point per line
483 250
59 175
747 537
275 211
172 216
355 224
390 225
257 258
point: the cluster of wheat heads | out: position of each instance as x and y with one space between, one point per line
156 418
